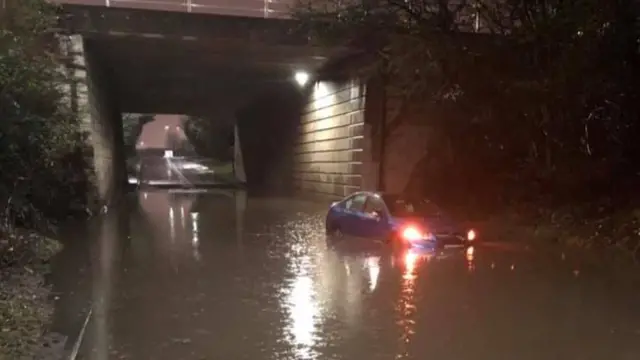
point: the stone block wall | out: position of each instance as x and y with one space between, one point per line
332 155
92 96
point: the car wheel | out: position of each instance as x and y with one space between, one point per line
328 230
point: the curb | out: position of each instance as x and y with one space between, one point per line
76 345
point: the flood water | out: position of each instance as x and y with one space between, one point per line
221 275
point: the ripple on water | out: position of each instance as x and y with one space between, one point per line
271 288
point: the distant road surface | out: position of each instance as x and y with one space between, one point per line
185 172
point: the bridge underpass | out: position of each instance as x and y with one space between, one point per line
310 139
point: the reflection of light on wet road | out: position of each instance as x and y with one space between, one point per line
172 224
373 265
470 252
410 259
163 209
194 227
303 310
406 307
194 236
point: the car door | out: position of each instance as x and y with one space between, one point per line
375 219
353 209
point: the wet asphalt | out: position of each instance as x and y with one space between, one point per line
223 275
189 171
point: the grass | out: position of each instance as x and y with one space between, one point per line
25 306
612 230
223 168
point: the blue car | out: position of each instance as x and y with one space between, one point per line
395 219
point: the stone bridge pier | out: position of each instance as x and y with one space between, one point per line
93 95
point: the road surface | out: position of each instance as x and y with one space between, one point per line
185 172
219 276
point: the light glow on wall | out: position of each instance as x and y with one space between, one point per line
324 101
330 148
301 77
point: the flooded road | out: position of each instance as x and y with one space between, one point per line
182 171
221 276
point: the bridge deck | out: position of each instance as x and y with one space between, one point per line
248 8
176 62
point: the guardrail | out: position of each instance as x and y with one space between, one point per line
250 8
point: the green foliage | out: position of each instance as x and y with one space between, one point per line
209 138
531 104
42 152
132 128
44 162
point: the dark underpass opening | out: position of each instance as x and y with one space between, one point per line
270 114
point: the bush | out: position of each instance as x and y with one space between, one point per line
45 175
25 308
43 158
210 137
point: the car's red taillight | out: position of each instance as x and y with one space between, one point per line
412 233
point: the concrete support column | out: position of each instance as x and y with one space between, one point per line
266 127
238 160
92 96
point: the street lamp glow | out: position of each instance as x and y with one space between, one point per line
166 127
301 78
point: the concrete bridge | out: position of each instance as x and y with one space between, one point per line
313 138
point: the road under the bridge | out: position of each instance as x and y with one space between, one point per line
312 138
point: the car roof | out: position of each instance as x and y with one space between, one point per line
378 193
372 192
363 192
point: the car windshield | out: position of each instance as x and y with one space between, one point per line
403 207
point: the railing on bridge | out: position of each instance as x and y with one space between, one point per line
251 8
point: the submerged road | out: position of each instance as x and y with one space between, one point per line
182 171
219 275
